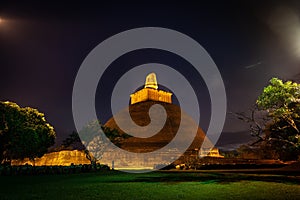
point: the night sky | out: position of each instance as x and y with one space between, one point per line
42 46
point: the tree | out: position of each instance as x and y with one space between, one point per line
275 120
24 132
281 101
95 143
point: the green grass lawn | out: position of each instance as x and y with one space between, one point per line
157 185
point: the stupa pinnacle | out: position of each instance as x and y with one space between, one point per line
151 81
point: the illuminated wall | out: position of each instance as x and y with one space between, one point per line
64 158
146 94
214 152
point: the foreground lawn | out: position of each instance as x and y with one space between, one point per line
159 185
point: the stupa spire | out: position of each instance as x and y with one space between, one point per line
151 81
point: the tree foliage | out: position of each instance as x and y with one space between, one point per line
282 101
24 132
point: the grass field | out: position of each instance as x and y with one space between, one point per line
156 185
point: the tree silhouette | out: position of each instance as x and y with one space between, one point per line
95 143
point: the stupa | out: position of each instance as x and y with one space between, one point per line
140 103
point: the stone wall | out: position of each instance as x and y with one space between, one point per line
64 158
151 94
